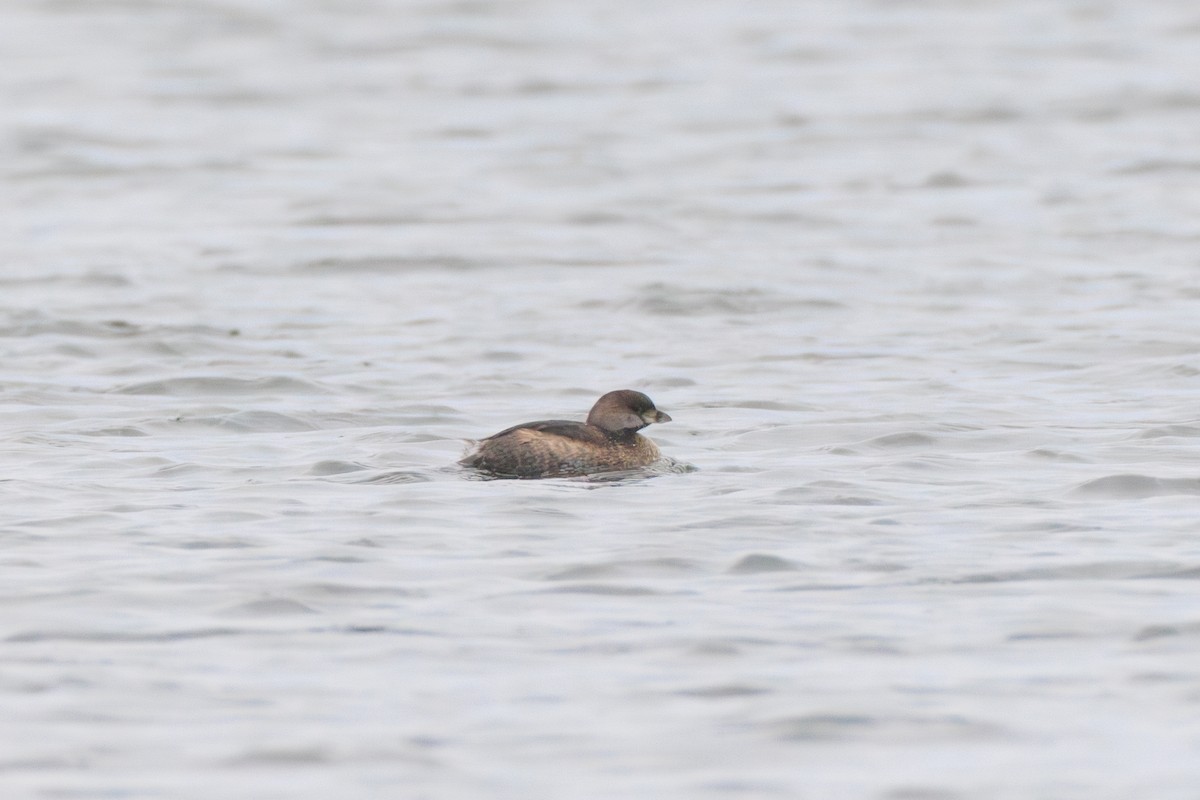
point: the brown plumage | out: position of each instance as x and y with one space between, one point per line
608 441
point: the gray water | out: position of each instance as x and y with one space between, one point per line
917 282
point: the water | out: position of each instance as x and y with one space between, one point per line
916 282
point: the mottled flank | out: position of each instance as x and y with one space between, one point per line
528 452
607 442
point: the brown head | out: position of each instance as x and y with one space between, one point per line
624 411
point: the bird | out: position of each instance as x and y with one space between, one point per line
608 441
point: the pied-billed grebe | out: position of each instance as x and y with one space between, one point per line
607 442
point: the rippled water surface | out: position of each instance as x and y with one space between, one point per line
917 282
